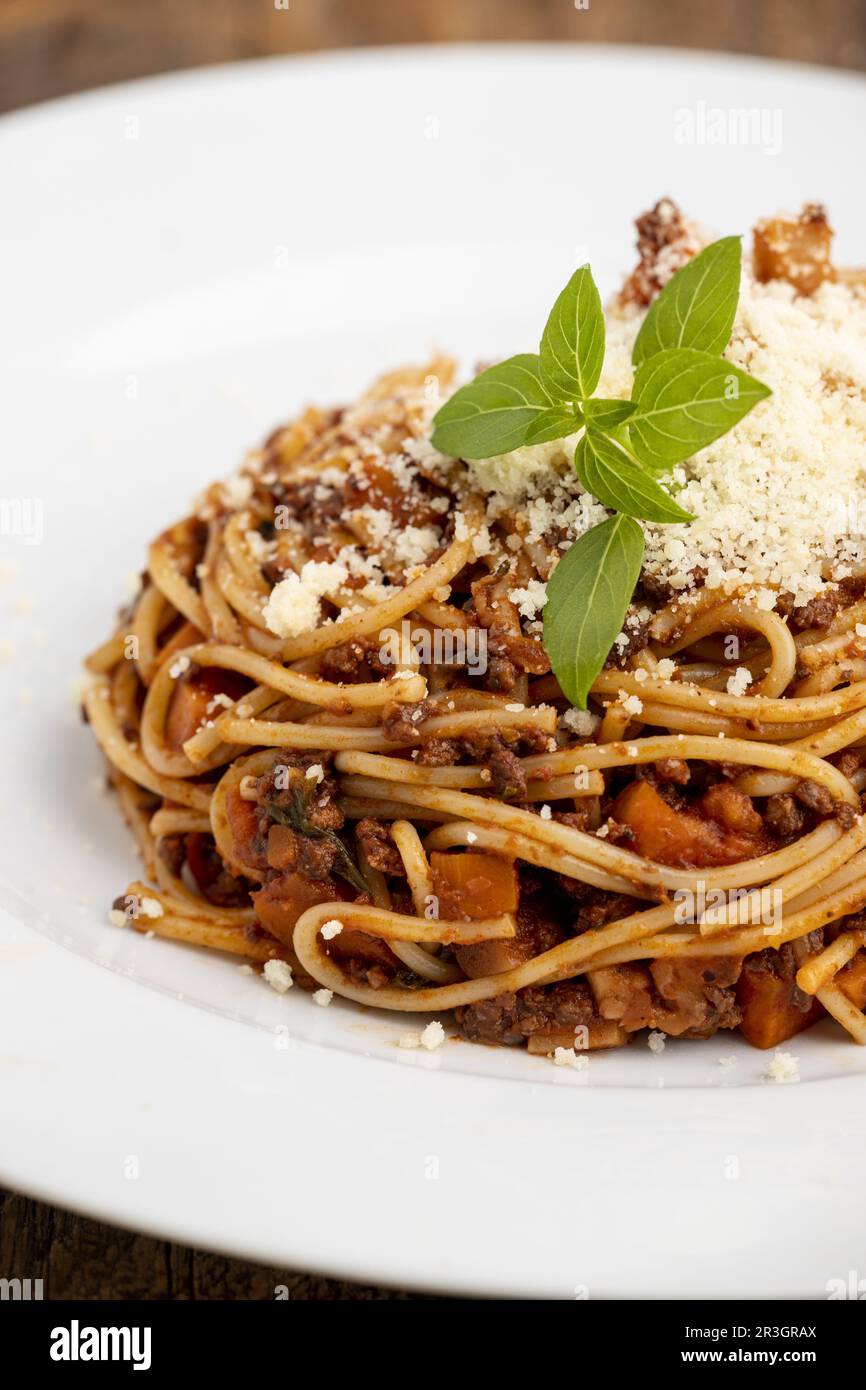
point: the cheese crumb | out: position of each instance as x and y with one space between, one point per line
117 918
656 1041
331 929
179 667
278 974
151 907
315 773
567 1057
783 1067
323 997
581 722
433 1035
293 606
740 681
530 599
545 812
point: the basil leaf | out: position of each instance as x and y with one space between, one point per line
572 345
554 423
686 399
696 308
492 414
605 415
588 595
621 484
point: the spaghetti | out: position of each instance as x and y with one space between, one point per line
315 775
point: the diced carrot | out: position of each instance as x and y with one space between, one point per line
769 1013
473 886
243 819
186 636
282 847
188 708
280 903
679 838
852 980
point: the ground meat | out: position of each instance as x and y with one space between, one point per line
287 782
847 815
312 858
438 752
637 638
172 851
815 797
674 770
850 761
215 882
730 807
509 1019
577 820
400 721
502 674
609 908
507 777
353 661
509 652
374 837
664 242
784 816
696 994
818 612
618 834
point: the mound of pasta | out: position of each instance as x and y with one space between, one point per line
331 721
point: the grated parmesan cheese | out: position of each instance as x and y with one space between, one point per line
278 974
782 1067
739 682
567 1057
529 600
294 604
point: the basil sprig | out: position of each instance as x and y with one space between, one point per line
684 396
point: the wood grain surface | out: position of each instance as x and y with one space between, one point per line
49 48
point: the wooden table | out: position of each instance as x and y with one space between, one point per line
52 47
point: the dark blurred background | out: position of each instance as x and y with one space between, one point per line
50 48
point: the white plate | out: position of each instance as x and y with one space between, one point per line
186 261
